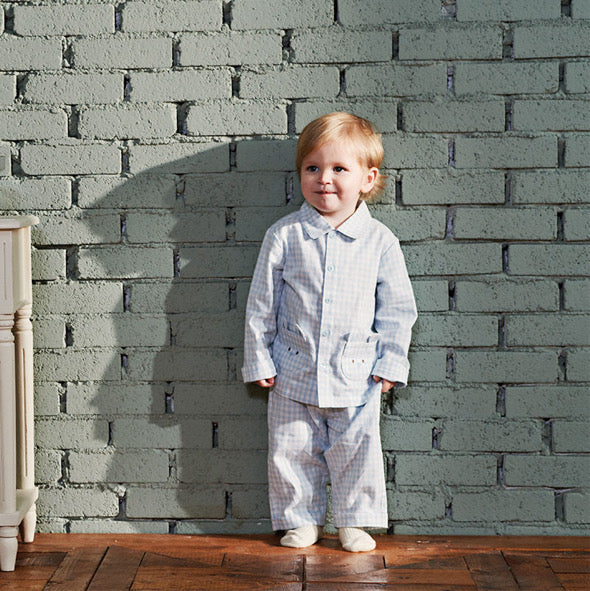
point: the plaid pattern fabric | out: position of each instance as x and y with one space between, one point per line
328 308
309 446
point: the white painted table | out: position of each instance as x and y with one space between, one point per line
17 480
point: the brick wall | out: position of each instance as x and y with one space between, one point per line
155 140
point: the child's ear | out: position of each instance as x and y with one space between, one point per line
371 179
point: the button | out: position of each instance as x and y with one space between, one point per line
328 300
325 333
330 267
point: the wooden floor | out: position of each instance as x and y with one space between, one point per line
76 562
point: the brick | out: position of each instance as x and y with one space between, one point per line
176 502
89 19
292 82
48 264
352 13
236 189
396 80
47 399
228 527
506 152
504 506
250 502
32 125
102 526
580 9
69 227
455 470
7 89
463 330
204 226
406 435
577 149
505 224
446 187
70 159
506 10
418 224
236 118
205 15
282 14
122 51
223 330
176 364
428 366
431 296
125 262
415 505
572 437
49 333
47 467
30 54
576 507
120 330
555 186
74 297
554 40
548 329
68 433
180 85
74 88
179 158
161 432
559 472
77 502
506 78
506 296
73 365
445 401
140 192
555 259
127 122
52 193
175 297
239 433
217 261
231 48
577 77
554 115
265 155
219 399
505 367
105 399
451 42
404 151
454 116
338 45
118 467
577 224
547 401
443 258
218 466
251 223
577 295
578 362
498 436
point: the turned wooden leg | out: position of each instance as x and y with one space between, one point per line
28 525
8 548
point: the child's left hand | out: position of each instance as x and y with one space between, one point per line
386 385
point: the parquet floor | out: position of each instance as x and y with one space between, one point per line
77 562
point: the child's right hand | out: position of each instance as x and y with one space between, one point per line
268 383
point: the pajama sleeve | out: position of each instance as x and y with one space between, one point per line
395 314
261 311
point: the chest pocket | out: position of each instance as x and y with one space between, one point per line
358 358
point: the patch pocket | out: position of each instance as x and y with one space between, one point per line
293 351
358 359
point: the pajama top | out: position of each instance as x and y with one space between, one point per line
328 308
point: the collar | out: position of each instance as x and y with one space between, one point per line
315 225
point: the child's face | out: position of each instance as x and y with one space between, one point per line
333 178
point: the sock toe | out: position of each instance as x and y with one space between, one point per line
354 539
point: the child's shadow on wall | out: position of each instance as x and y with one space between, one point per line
186 439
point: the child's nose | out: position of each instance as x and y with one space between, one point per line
325 177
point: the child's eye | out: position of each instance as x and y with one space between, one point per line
312 168
339 169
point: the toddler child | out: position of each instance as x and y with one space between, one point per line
328 326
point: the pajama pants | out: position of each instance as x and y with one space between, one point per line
311 446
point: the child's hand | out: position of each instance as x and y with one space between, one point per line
386 385
268 383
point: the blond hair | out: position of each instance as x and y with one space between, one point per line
344 126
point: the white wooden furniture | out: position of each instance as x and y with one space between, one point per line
17 482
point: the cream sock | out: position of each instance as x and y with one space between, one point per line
303 536
354 539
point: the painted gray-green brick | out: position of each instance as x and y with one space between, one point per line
552 40
576 507
577 294
125 262
250 502
171 15
75 365
7 89
71 433
291 82
577 224
33 54
580 9
77 502
415 505
48 264
551 186
353 13
405 151
558 471
251 223
33 125
50 332
87 398
577 78
71 227
122 51
507 10
70 88
214 465
78 297
412 224
504 505
219 399
92 19
548 329
555 115
571 437
220 330
578 364
48 466
63 159
281 14
577 150
231 48
460 330
556 259
431 296
547 401
180 85
38 194
406 435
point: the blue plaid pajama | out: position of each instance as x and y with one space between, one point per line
311 446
